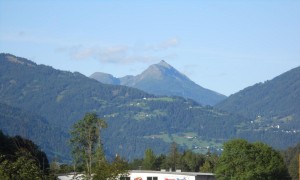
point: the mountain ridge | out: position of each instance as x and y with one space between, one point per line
136 120
163 79
283 88
274 103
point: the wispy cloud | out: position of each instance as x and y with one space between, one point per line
170 43
123 53
104 54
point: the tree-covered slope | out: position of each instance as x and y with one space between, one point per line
14 121
136 120
272 106
163 79
60 96
277 99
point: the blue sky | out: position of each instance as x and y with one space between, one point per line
221 45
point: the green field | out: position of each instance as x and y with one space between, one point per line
190 141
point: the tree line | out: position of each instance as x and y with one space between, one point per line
239 160
21 159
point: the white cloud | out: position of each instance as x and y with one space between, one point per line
170 43
164 45
103 54
123 54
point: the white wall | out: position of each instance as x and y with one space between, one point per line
160 176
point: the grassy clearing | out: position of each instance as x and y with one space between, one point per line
191 141
167 99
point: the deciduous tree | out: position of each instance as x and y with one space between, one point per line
85 139
243 160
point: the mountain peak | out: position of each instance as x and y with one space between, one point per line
17 60
105 78
163 79
164 64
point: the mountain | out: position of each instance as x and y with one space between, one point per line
272 105
105 78
53 100
163 79
136 120
15 121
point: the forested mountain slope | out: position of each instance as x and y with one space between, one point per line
136 119
15 121
272 106
163 79
276 100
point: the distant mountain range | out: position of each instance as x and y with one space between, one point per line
43 103
136 120
163 79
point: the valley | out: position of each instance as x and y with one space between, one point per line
136 120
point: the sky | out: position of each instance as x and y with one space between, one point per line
222 45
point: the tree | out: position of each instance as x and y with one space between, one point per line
149 160
24 167
160 162
25 145
190 161
20 158
210 163
85 140
107 171
136 164
291 158
243 160
173 159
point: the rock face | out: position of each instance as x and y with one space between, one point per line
163 79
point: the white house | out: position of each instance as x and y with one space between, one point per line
152 175
167 175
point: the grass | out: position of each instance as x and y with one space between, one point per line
167 99
189 140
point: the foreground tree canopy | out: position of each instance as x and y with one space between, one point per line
243 160
20 158
291 157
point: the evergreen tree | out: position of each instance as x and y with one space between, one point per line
210 163
190 161
173 159
149 160
111 171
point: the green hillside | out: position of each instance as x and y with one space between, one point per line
15 121
133 116
272 106
136 120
